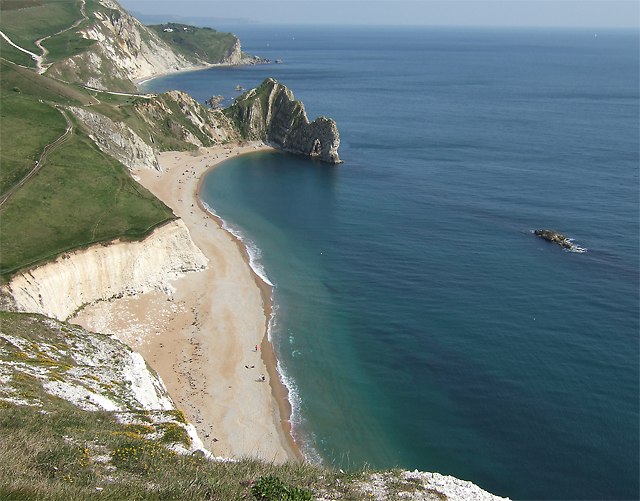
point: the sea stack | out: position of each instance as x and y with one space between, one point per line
270 113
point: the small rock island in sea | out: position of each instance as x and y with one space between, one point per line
555 237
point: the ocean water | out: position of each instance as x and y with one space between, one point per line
419 322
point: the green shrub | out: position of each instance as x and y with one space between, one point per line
271 488
140 429
174 433
178 415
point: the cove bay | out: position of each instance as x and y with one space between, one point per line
419 322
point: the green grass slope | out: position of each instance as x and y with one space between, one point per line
24 22
66 44
27 126
205 43
12 54
78 197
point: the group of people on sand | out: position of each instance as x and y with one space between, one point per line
262 376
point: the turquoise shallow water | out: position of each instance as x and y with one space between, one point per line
419 322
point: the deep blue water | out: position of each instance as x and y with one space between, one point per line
420 323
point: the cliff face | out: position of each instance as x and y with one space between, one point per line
117 140
91 371
270 113
125 50
101 272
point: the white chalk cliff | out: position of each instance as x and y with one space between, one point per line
101 272
81 367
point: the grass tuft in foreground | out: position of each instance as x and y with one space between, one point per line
72 454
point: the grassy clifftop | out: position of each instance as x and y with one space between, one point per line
24 22
206 44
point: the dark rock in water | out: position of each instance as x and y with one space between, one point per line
278 61
255 60
239 88
270 114
555 237
214 102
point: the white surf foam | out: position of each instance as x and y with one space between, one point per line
304 441
575 248
252 249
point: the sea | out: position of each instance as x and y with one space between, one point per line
419 323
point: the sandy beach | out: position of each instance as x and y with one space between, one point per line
204 66
202 337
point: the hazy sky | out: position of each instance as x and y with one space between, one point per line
552 13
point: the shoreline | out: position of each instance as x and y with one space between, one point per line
201 336
279 391
140 80
205 66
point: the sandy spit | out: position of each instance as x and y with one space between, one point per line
202 338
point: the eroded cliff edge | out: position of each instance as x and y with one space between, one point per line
101 272
270 113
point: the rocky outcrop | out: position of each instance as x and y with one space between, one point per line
92 371
424 486
555 237
101 272
270 113
214 102
117 140
176 115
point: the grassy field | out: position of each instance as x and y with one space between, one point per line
12 54
65 45
206 43
79 197
27 126
39 87
37 20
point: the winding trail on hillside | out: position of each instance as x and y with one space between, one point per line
43 157
8 40
38 43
